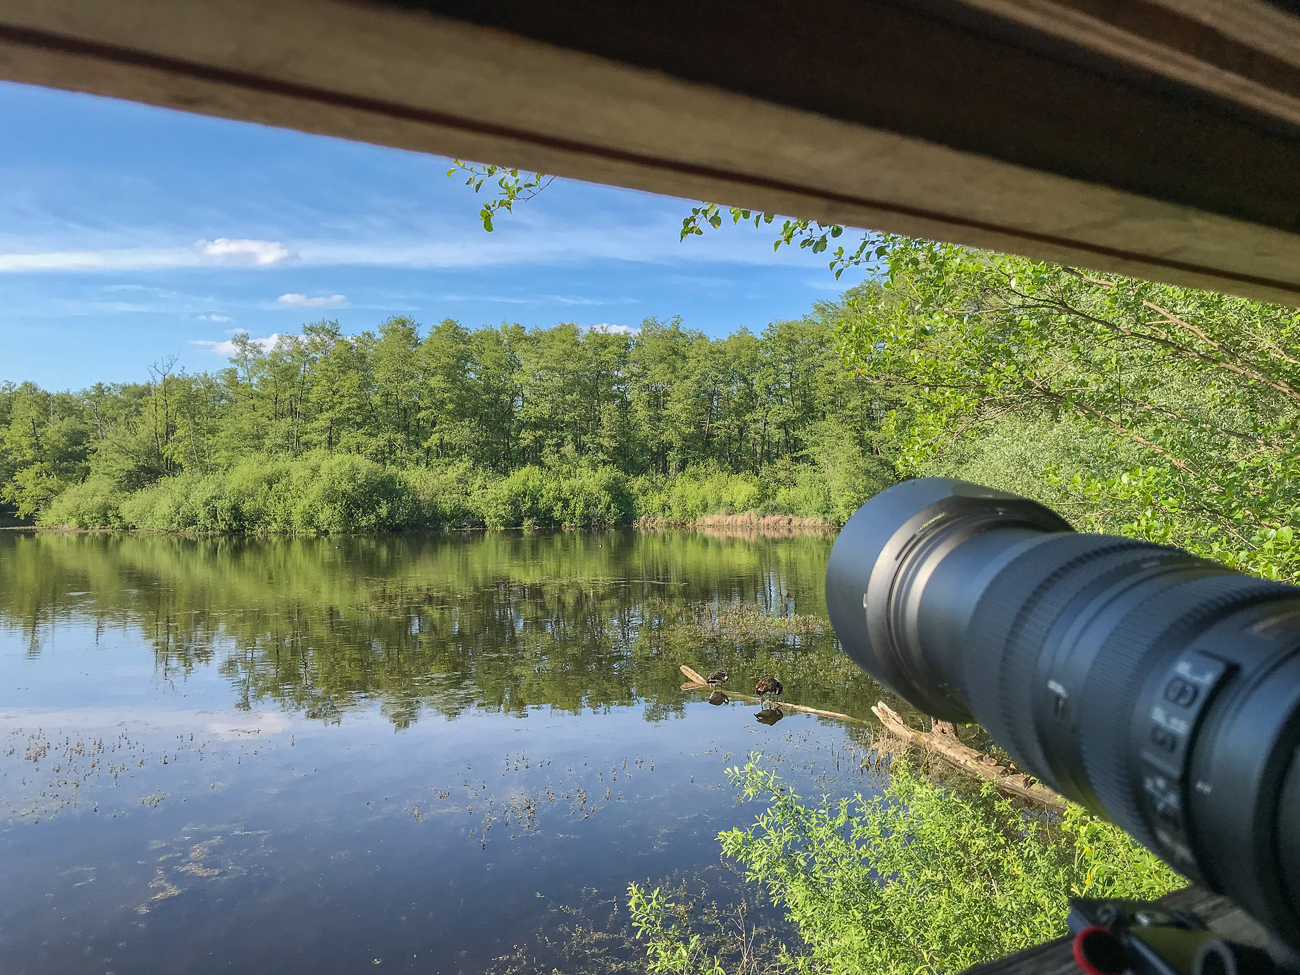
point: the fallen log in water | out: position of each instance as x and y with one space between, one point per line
944 742
698 683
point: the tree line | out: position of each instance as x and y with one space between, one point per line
653 404
1135 408
1150 410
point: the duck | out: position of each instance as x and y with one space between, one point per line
718 697
770 716
717 677
768 685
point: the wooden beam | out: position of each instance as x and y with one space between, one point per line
1142 138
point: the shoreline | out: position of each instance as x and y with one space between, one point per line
746 523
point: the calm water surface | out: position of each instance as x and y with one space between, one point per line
429 754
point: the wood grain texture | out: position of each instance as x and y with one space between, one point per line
906 116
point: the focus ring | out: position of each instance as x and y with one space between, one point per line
1148 637
1040 584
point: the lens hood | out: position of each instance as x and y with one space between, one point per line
1155 688
885 550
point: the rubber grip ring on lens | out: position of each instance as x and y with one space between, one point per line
1097 951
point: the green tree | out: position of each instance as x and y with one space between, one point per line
1173 410
397 383
545 426
47 444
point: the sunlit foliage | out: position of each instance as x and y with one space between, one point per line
407 428
919 879
1145 409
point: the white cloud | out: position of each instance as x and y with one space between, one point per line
229 251
539 299
620 329
227 348
502 299
518 244
223 252
115 260
302 301
215 318
572 300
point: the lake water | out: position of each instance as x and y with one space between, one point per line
413 753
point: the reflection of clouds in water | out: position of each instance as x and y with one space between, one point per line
404 667
140 721
258 723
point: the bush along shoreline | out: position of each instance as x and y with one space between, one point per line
411 428
323 493
1131 408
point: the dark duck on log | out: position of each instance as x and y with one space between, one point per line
768 685
717 677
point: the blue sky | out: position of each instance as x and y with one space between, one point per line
129 234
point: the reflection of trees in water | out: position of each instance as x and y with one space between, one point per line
501 622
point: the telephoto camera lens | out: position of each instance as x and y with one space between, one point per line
1157 689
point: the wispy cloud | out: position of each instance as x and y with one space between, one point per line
137 259
322 301
619 329
554 245
215 318
222 252
498 299
227 348
228 251
537 299
578 300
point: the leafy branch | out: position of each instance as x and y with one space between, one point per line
512 186
809 234
521 185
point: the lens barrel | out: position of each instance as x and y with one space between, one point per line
1157 689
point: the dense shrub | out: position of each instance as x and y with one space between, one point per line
444 496
917 881
839 479
545 497
325 493
698 491
94 503
348 493
322 492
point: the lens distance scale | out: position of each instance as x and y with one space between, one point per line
1182 694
